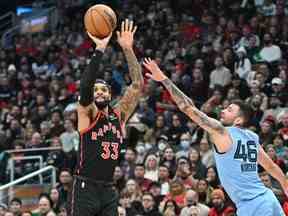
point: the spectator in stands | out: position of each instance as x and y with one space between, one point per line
212 177
151 167
139 176
198 168
163 179
204 191
56 119
148 205
65 184
3 209
155 190
171 208
192 199
26 213
160 128
219 206
126 203
169 159
176 130
280 148
177 193
45 131
270 52
243 64
69 138
184 173
267 181
15 206
133 189
272 154
36 141
119 179
185 144
206 153
9 213
45 205
221 75
54 195
63 210
284 126
121 211
128 165
266 133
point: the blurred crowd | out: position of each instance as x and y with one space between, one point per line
215 51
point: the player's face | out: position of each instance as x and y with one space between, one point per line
230 115
102 95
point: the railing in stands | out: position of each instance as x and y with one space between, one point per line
33 150
31 175
7 21
11 165
9 189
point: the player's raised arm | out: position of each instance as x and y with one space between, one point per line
186 105
86 108
91 72
130 99
274 170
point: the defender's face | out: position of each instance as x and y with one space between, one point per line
101 93
229 115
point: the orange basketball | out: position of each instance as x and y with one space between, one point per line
100 20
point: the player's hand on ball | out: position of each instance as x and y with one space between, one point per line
156 74
125 37
101 44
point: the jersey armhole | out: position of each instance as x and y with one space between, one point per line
213 145
85 130
117 112
217 151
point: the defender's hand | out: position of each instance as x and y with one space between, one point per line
101 44
125 38
156 74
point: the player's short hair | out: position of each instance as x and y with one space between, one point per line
103 82
245 111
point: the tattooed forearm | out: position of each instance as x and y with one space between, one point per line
182 101
129 101
135 71
187 106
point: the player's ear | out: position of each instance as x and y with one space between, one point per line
238 121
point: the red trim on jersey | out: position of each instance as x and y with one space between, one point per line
81 154
91 125
122 123
73 197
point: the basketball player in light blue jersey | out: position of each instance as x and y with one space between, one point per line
237 152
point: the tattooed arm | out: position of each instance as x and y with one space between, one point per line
187 106
215 129
130 99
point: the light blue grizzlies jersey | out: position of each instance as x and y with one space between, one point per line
237 168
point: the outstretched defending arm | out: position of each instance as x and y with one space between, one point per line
130 99
186 105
